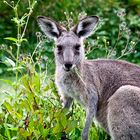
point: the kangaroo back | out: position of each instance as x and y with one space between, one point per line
123 115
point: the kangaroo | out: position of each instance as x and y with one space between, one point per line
108 89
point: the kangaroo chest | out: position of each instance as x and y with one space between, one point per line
71 86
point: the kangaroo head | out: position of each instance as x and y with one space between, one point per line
69 50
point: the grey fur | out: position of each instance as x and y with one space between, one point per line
108 89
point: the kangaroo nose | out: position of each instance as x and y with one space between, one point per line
68 66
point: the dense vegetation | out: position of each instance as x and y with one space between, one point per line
29 104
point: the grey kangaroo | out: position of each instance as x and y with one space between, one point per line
108 89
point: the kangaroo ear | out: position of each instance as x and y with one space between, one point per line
85 26
51 28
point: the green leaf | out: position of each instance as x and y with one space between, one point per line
47 88
18 116
1 137
50 86
58 128
71 125
14 138
11 39
15 68
45 132
26 104
7 131
8 106
63 119
25 80
24 132
11 127
36 82
9 82
9 62
24 39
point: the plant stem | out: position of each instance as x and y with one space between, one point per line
119 36
18 46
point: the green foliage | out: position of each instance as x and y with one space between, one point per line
34 111
30 108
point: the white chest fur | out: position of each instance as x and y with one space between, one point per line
70 85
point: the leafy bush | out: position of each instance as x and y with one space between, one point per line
34 112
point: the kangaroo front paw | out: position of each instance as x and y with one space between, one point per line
66 101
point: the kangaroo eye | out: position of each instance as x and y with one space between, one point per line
77 47
59 47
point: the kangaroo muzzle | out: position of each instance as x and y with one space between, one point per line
68 66
68 59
